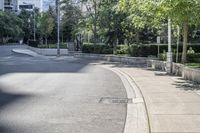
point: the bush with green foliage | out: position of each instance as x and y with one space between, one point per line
97 49
195 57
142 51
146 50
121 50
191 58
62 45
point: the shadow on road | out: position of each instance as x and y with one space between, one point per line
33 65
187 85
5 130
7 98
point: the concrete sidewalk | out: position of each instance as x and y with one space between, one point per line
173 104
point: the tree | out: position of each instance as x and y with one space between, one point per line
10 26
28 18
46 25
183 13
92 7
139 18
110 22
71 19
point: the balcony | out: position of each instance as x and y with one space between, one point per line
8 5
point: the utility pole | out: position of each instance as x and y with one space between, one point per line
169 53
34 23
178 41
58 27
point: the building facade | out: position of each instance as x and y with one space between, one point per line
17 5
30 4
11 5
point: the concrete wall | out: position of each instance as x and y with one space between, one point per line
177 69
112 58
157 65
49 52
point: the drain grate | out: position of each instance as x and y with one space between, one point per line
114 100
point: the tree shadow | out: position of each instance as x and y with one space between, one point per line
35 65
186 85
7 98
180 82
4 129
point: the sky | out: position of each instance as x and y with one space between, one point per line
46 4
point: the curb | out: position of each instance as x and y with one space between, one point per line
18 51
137 118
145 104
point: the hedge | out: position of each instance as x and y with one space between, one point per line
122 50
191 58
97 49
141 50
147 50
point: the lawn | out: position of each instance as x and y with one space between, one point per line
193 65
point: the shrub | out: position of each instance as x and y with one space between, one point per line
142 50
191 58
146 50
195 57
97 49
33 43
62 46
121 50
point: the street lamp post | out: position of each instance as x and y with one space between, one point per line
34 30
58 27
34 22
169 53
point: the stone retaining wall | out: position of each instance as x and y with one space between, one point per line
157 65
177 69
113 58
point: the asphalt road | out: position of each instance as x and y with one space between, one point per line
50 95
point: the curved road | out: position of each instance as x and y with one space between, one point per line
49 95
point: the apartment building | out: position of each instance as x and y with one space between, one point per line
11 5
30 4
17 5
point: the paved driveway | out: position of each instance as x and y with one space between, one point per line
49 95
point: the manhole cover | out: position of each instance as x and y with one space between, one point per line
114 100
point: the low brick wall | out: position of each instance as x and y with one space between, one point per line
177 69
113 58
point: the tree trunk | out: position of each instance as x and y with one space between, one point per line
185 41
95 34
178 41
1 39
95 22
137 37
46 41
